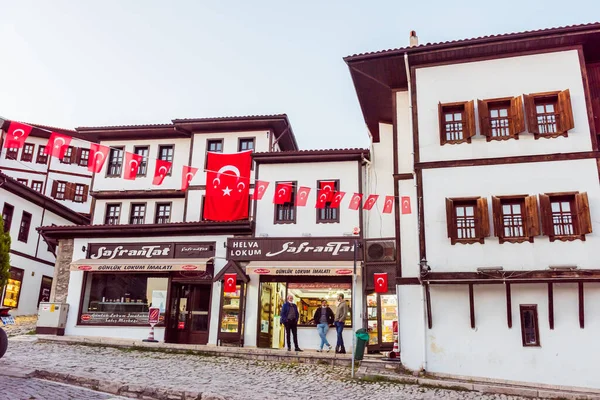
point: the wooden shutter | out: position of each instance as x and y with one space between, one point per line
69 191
86 190
442 124
483 223
450 224
532 216
584 219
484 118
469 128
546 215
54 189
497 213
77 155
516 113
565 118
531 114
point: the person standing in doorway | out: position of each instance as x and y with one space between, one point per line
289 318
323 318
340 318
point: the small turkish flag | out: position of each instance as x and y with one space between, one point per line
406 205
16 135
381 282
322 198
388 204
186 176
98 155
328 188
337 199
355 201
302 196
57 145
283 193
160 171
371 200
230 281
132 163
260 187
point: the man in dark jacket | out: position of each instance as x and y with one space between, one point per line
289 318
323 318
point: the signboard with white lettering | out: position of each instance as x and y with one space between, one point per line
131 251
292 249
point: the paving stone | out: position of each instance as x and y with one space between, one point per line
14 388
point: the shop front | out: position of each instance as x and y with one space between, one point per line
382 308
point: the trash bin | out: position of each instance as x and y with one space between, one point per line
362 338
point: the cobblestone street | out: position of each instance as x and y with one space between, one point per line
217 376
37 389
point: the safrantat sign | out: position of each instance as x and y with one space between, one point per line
132 251
292 249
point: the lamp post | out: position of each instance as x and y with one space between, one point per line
356 244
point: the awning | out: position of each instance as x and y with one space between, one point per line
302 268
141 265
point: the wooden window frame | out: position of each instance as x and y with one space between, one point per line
291 205
106 216
119 165
142 215
84 192
41 185
25 155
68 156
159 156
55 191
516 119
563 109
42 158
580 213
143 167
23 181
157 208
24 227
335 220
5 213
481 216
208 142
12 153
80 159
530 217
246 139
468 111
522 309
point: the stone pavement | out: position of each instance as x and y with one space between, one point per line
23 325
13 388
213 377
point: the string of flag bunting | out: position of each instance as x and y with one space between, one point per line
227 177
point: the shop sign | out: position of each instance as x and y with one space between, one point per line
318 285
153 267
132 251
292 249
131 318
308 271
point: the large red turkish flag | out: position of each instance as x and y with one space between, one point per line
381 282
132 163
16 135
388 204
160 171
230 280
57 145
98 155
227 186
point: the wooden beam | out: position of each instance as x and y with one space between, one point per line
550 305
508 306
472 305
581 307
428 304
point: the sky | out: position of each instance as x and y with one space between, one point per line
118 62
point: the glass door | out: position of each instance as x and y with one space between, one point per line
265 328
373 321
198 304
389 318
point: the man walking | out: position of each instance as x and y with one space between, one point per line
289 318
340 318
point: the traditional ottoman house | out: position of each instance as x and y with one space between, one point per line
495 145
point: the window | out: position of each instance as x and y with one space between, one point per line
163 213
13 288
138 213
38 186
501 119
45 288
113 212
42 158
549 114
83 156
246 144
24 227
27 153
59 189
165 153
467 219
143 167
80 193
286 213
23 181
516 218
123 299
529 325
215 145
12 153
7 216
115 162
565 216
457 122
231 307
68 156
328 214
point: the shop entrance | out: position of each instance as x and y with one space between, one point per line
270 331
382 313
188 313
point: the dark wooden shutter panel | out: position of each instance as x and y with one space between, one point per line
531 114
54 189
442 124
451 226
70 191
470 130
532 216
546 215
565 118
483 223
484 118
583 213
77 155
497 213
517 118
86 190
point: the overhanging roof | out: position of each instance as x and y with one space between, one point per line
302 156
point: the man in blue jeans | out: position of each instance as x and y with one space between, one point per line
340 318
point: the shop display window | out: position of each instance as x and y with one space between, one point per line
123 299
382 315
231 311
13 288
308 297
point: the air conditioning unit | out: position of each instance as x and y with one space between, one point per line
381 251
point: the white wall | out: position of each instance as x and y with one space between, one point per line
504 77
32 165
177 205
